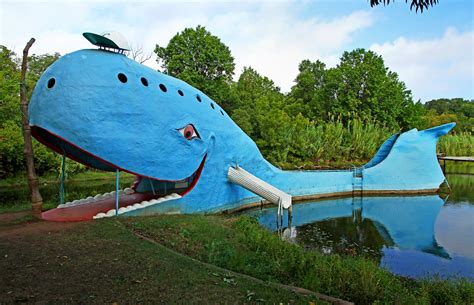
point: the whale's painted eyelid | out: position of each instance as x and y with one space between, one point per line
189 132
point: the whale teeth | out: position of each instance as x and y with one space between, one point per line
122 210
100 215
128 191
135 206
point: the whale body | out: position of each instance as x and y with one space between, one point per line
111 113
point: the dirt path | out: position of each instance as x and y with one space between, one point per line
30 226
102 262
8 217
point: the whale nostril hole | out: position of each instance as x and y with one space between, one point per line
198 98
51 83
222 113
122 77
163 88
180 92
212 105
144 82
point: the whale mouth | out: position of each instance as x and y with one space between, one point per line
104 205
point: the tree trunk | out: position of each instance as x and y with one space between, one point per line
36 200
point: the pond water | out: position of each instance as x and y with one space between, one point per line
416 236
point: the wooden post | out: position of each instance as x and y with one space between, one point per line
36 199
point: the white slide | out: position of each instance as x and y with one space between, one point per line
248 181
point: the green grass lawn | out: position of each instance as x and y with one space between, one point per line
242 245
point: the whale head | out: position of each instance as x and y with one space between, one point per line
109 112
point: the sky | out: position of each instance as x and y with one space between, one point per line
432 52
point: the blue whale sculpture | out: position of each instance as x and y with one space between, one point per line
111 113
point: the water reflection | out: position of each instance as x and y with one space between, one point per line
413 236
373 222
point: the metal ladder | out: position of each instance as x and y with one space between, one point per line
357 182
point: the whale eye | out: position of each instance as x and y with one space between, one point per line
189 132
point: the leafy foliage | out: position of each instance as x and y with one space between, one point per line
457 110
200 59
417 4
12 159
359 86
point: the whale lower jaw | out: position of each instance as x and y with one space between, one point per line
104 205
124 209
136 206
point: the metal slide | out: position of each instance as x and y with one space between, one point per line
248 181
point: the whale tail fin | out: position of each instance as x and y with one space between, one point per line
440 130
407 161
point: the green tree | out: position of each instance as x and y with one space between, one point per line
307 95
367 88
254 94
360 86
9 92
10 75
202 60
459 110
11 140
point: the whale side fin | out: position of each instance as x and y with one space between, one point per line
383 151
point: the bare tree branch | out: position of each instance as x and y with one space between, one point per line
137 54
36 199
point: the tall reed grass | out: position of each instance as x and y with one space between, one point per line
460 144
335 143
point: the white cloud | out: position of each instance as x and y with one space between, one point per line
433 68
272 37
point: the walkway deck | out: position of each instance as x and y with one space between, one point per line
462 159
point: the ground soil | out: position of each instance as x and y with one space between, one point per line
103 262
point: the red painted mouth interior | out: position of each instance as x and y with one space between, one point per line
86 211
